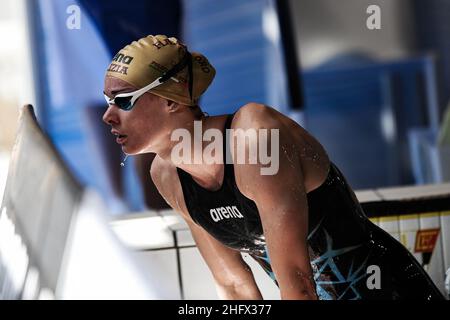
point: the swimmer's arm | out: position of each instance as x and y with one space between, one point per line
282 204
232 276
283 208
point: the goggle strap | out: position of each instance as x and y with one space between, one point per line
177 68
187 59
191 76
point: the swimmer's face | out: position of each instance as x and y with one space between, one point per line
143 125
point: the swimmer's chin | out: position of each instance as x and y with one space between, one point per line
133 152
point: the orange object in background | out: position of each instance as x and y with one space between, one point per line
426 240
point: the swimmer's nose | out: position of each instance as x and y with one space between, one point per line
110 116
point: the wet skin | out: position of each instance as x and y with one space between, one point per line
280 198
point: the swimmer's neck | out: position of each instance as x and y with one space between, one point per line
207 175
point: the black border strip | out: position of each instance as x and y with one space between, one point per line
180 277
409 206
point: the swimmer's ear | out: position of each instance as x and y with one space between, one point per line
172 106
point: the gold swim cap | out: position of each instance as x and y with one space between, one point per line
143 61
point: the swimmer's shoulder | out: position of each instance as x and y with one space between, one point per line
254 115
165 177
257 115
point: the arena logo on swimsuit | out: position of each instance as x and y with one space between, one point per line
227 212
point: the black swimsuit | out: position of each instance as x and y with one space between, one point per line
345 247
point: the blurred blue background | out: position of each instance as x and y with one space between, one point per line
366 94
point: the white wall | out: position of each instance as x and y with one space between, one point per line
325 28
16 80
